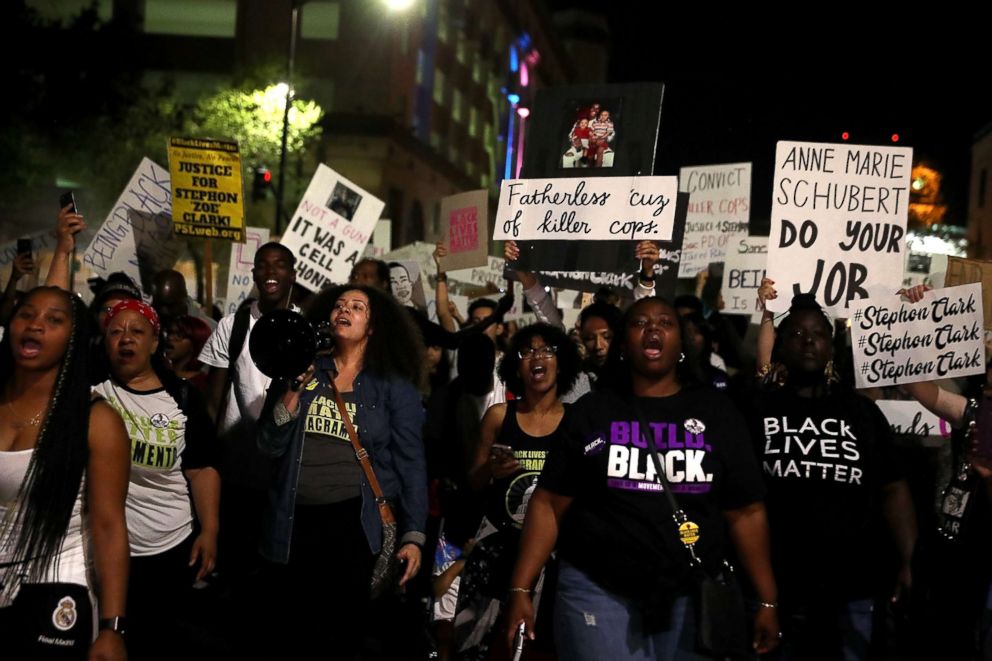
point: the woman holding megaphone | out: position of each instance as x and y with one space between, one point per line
327 525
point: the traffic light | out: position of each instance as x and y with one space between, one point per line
261 183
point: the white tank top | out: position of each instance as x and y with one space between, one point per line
72 562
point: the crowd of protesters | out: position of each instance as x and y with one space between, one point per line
161 496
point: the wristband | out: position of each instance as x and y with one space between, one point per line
442 277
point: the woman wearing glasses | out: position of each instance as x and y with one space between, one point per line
540 366
322 524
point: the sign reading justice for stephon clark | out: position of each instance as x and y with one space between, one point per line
207 192
576 209
898 342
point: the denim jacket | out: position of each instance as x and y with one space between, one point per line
391 417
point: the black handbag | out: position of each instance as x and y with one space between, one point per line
721 619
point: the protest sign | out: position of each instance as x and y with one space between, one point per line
623 279
406 284
594 209
240 280
961 271
42 245
113 247
719 210
838 223
743 270
330 228
938 338
382 238
207 190
156 244
911 418
465 223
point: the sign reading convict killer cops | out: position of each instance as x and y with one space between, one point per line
838 225
330 228
940 337
207 191
596 208
719 209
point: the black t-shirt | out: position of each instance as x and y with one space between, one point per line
329 472
825 461
619 529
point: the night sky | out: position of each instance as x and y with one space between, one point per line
723 104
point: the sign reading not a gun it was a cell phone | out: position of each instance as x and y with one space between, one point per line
838 226
589 132
207 189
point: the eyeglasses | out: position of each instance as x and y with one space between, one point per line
356 307
547 351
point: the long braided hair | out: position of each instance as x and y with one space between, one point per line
48 493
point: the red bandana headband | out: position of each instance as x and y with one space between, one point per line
145 310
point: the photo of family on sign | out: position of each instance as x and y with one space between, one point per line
590 139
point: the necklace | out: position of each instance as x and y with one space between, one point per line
19 423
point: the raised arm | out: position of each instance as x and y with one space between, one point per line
69 225
442 302
766 333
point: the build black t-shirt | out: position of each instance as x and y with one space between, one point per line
825 462
619 528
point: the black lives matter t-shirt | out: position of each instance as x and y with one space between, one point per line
619 529
825 462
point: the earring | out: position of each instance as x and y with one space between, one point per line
682 357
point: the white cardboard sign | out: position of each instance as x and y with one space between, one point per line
940 337
743 270
113 247
586 209
330 228
838 226
718 214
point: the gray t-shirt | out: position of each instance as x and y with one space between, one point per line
329 472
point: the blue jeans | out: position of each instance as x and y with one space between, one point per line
592 623
840 631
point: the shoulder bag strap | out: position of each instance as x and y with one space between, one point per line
385 511
688 531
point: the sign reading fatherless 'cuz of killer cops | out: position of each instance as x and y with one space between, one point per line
940 337
207 191
592 209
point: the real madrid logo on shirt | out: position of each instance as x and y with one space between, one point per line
160 421
64 616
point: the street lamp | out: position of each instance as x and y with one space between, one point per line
280 190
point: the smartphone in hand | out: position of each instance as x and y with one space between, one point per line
502 452
68 199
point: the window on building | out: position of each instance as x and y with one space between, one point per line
456 105
982 182
320 19
473 122
461 50
436 141
439 87
488 137
443 21
421 66
65 11
197 18
470 168
477 67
